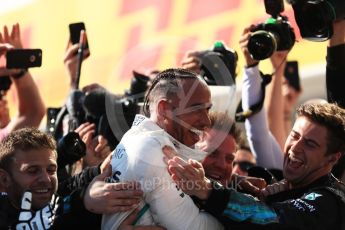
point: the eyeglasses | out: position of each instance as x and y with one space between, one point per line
244 165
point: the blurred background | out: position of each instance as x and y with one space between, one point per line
126 35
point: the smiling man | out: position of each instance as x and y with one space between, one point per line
220 142
27 163
31 197
176 108
309 198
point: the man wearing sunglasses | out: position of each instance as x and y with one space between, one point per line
243 161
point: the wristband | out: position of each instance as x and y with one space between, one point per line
20 74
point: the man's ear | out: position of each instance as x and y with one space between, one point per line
5 179
164 109
332 159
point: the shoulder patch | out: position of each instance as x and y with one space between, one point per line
312 196
138 120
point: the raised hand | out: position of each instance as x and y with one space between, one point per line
97 148
188 175
246 34
12 37
71 60
191 61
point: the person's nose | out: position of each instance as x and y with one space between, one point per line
205 119
297 146
220 163
45 177
236 169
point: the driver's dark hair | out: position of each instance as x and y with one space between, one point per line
166 84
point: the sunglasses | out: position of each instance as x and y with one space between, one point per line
263 173
244 165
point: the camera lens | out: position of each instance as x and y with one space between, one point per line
316 21
262 44
70 148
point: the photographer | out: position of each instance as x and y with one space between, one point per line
262 142
30 105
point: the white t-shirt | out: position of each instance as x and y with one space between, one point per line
139 157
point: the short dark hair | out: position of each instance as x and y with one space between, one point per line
332 117
23 139
166 84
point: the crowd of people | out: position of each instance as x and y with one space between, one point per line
180 165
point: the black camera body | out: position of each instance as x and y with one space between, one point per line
23 58
70 148
315 17
275 34
212 62
91 107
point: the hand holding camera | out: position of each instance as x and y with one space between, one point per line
72 60
213 63
275 34
16 56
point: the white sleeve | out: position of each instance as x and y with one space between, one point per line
262 143
173 209
169 206
141 159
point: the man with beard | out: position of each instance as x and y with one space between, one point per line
27 168
30 198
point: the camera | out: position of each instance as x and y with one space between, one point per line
70 148
212 62
315 17
275 34
23 58
74 31
91 107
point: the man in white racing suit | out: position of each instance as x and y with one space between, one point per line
176 108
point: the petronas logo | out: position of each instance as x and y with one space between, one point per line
312 196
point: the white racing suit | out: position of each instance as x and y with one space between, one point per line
139 157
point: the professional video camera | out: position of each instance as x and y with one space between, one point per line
315 17
275 34
212 62
91 107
